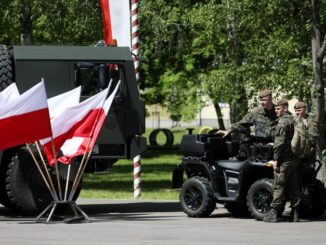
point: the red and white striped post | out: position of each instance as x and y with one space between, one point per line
134 35
135 51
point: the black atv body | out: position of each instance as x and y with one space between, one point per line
234 173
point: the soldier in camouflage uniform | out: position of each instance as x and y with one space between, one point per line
285 166
300 110
262 118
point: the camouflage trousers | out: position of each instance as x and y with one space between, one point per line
286 185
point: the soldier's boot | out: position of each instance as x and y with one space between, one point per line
294 216
271 216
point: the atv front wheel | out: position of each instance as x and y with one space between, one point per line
197 197
259 198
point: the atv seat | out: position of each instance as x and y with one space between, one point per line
234 165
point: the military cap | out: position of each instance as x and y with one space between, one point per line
299 105
264 93
282 103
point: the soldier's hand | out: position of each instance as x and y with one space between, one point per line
223 132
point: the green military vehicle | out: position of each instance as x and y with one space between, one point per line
64 68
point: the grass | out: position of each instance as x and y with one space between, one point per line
156 175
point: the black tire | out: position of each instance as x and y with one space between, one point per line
6 68
237 209
259 198
25 186
197 197
168 134
5 161
313 204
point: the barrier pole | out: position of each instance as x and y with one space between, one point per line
137 176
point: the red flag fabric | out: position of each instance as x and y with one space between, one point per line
25 118
116 22
10 93
77 145
79 119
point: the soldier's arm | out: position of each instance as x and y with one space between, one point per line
247 119
280 139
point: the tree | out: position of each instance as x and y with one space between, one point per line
318 43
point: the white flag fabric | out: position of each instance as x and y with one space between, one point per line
78 145
25 118
9 93
59 103
69 123
116 21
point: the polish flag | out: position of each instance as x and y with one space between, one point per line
78 145
79 119
59 103
10 93
25 118
116 22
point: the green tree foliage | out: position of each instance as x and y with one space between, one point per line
53 22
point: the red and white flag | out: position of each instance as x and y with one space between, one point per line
78 145
25 119
79 119
59 103
10 93
116 22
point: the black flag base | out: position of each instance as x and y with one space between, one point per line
79 214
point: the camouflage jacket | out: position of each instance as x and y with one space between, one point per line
283 134
262 120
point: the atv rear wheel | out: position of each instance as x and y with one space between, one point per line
6 69
259 198
197 197
25 186
313 205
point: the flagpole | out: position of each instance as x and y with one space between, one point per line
79 172
44 165
67 182
56 169
53 194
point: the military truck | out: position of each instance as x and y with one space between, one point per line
63 68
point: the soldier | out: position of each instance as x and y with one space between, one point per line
300 110
262 117
286 172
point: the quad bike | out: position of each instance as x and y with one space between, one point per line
238 175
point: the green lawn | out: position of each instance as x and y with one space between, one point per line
156 175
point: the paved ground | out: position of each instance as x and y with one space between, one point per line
155 222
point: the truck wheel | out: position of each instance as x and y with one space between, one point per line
237 209
6 76
313 205
197 197
25 187
259 198
5 161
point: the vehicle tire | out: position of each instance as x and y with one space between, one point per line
197 197
259 198
25 186
6 68
168 134
313 205
237 209
5 161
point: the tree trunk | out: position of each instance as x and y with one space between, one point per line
219 116
26 22
318 51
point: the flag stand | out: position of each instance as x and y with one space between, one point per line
79 214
